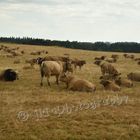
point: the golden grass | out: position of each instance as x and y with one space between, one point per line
110 122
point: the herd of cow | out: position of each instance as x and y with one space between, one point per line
62 67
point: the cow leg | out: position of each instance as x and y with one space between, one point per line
103 72
75 66
67 85
41 83
57 79
48 81
42 75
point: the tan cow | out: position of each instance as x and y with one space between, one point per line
110 85
77 84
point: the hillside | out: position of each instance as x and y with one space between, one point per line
29 111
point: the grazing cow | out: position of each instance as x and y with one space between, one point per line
15 53
98 62
8 75
31 61
137 59
35 53
125 55
17 61
9 56
54 68
77 84
78 63
129 56
115 56
138 63
111 60
46 52
100 58
134 76
110 85
107 68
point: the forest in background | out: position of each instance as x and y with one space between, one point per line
132 47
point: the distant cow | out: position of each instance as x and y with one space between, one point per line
78 63
100 58
16 53
22 52
134 76
31 61
115 56
111 60
97 62
35 53
137 59
107 68
129 56
17 61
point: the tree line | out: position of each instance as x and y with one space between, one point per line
97 46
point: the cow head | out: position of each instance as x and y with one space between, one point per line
105 82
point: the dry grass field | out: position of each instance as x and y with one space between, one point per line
31 112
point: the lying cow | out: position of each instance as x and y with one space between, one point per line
134 76
110 85
8 75
77 84
124 82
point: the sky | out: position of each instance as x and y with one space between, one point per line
74 20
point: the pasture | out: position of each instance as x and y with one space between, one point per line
31 112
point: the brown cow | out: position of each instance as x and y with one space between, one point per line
115 56
100 58
78 63
110 85
107 68
124 82
134 76
111 60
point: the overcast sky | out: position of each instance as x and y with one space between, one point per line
79 20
